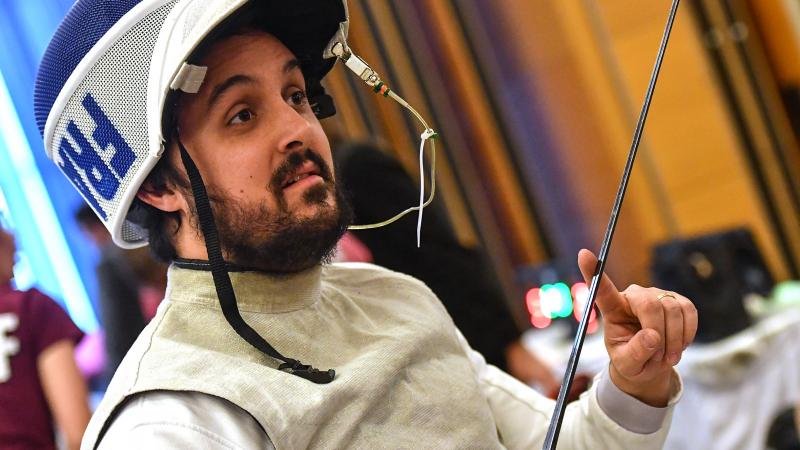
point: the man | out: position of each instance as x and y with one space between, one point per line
229 94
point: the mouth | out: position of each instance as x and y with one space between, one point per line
304 172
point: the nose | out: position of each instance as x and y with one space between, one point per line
294 129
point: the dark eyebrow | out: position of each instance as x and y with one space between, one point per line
290 65
220 89
227 84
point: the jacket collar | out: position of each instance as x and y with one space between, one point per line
191 281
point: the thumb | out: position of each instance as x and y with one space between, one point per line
631 357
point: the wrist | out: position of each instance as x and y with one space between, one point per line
655 392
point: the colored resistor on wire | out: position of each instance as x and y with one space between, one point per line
382 89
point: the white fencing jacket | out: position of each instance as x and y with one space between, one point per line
406 378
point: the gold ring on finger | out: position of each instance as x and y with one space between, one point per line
664 294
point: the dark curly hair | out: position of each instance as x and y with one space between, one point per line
160 226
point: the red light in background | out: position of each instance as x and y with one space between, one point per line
534 303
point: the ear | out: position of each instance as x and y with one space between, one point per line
167 198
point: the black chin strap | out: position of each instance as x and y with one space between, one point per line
222 282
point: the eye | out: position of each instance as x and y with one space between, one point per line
298 98
242 116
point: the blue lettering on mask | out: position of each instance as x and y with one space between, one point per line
106 134
104 179
72 173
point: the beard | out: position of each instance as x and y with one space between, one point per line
254 235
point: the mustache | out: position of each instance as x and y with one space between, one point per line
293 162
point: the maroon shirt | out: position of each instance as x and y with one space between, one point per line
29 323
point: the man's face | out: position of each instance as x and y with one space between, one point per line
263 156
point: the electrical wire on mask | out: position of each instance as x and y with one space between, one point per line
372 79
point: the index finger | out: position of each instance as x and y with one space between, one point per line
608 297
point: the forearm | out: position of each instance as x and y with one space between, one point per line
65 391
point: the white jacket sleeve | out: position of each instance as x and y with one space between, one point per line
522 415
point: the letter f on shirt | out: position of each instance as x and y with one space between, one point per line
9 345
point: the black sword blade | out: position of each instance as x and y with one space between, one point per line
561 402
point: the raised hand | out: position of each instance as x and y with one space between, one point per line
646 331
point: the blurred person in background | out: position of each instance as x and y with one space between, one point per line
130 284
39 379
378 187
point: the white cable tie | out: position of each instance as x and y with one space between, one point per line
427 134
421 188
